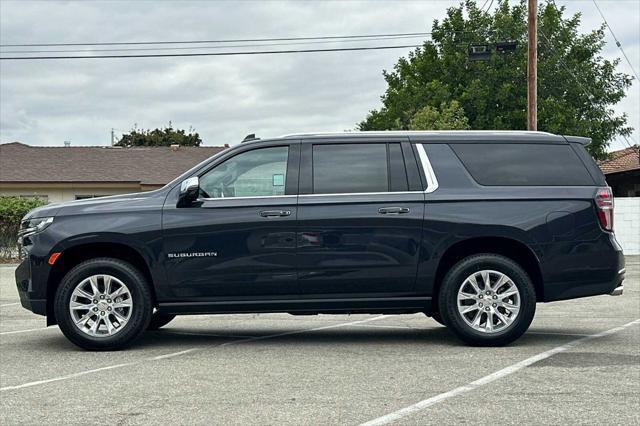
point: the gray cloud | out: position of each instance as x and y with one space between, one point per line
224 98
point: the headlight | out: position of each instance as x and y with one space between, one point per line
33 226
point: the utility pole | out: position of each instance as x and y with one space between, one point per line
113 137
532 67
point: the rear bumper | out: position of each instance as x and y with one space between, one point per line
617 291
608 281
620 288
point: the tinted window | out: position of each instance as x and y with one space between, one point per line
350 168
523 164
397 170
256 173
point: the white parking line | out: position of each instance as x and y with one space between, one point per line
68 376
192 333
419 406
171 355
406 327
9 304
27 331
543 333
288 333
183 352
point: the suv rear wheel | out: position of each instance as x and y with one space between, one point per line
103 304
487 300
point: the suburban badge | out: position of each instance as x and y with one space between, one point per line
192 254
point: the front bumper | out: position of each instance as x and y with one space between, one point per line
32 292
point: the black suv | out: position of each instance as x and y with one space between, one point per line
470 228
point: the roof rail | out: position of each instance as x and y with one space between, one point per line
418 132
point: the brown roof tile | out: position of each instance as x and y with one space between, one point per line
147 165
622 161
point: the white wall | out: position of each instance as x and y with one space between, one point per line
626 223
55 195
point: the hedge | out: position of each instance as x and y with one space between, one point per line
12 210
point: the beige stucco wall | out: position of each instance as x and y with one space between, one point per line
59 193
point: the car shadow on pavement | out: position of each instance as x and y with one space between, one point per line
186 338
285 336
438 336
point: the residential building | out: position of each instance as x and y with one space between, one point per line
622 170
58 174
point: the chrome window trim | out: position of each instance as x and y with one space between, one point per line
432 181
432 184
312 195
246 198
342 194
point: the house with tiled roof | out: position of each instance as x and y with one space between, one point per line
58 174
622 170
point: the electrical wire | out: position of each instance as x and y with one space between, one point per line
585 91
246 40
253 52
488 8
575 77
616 39
227 46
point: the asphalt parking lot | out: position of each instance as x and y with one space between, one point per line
579 363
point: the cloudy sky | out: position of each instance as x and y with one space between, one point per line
225 98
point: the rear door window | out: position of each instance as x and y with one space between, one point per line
350 168
523 164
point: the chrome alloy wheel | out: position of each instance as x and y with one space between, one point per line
488 301
100 305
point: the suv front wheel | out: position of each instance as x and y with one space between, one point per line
487 300
103 304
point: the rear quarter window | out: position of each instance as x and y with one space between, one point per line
523 164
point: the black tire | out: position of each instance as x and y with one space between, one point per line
141 310
448 307
158 320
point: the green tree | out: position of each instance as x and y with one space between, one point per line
450 116
160 137
576 86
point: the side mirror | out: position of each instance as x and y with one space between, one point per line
189 190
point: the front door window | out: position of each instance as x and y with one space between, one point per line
257 173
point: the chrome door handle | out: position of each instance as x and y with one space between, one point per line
275 213
393 210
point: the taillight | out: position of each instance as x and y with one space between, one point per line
604 204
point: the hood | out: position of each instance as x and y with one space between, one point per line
123 202
43 211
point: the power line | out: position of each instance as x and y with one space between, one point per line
585 91
575 77
227 46
247 40
616 39
167 55
488 8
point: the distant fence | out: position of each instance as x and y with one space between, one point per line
626 223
